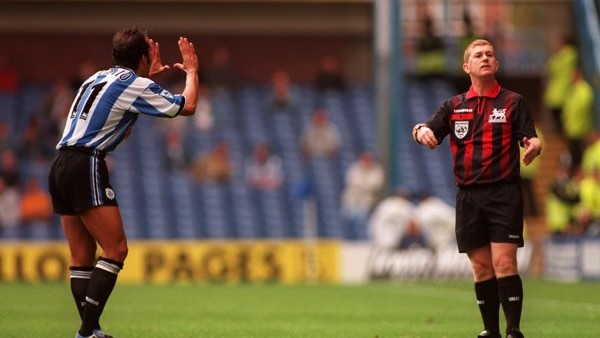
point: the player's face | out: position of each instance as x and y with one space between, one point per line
482 61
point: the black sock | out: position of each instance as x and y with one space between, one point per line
80 279
510 290
102 282
489 304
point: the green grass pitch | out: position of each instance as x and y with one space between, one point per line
382 310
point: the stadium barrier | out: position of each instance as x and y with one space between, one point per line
287 261
185 261
572 259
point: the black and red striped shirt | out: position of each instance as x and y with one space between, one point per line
485 133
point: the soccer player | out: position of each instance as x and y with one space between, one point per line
486 125
101 117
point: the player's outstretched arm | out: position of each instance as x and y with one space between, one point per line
189 65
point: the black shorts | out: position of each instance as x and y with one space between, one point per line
490 213
78 180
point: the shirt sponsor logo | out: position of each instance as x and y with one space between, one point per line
461 128
463 110
498 116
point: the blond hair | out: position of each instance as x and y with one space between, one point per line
478 42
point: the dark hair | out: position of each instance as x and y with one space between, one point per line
129 46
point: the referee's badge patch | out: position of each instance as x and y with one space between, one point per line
461 129
110 194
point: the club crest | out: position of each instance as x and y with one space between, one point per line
461 128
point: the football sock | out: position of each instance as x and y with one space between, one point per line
80 279
510 290
489 304
102 282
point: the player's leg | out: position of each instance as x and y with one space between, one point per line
486 289
106 226
510 286
83 250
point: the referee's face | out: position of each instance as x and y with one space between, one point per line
482 61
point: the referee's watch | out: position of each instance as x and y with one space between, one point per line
415 130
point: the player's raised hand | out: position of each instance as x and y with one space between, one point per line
156 66
189 58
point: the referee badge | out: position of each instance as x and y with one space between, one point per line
110 194
461 129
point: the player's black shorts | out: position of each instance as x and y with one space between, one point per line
489 213
78 180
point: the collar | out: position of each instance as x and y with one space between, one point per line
492 93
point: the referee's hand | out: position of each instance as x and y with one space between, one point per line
425 136
533 147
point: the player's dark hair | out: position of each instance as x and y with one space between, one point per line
129 46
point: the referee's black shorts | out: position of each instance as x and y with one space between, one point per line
489 213
78 180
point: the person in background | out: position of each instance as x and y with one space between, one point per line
320 138
329 75
389 220
436 218
486 125
214 166
102 115
264 171
578 116
560 68
364 182
10 211
36 210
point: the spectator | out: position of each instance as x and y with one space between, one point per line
204 119
35 146
9 210
329 75
591 154
578 116
263 170
220 74
57 105
10 79
213 166
177 158
562 199
560 68
320 138
283 94
588 210
36 209
9 168
389 220
413 237
436 219
6 141
363 183
431 61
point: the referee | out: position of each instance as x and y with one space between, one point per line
100 118
486 126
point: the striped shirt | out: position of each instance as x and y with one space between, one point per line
485 133
108 104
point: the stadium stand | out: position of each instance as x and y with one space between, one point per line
147 186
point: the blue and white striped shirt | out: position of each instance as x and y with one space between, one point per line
108 104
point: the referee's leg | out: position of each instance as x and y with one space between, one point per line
510 285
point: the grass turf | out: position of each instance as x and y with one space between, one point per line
382 310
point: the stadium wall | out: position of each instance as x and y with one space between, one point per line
49 39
